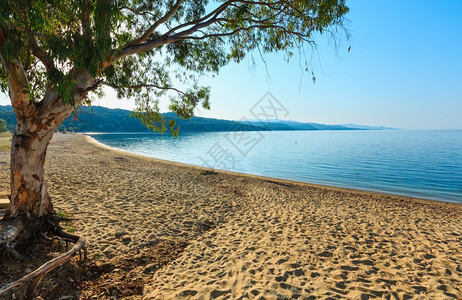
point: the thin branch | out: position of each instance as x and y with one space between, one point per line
143 13
212 18
156 24
85 17
148 45
198 26
214 14
41 54
268 76
139 86
303 37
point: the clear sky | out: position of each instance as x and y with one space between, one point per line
404 70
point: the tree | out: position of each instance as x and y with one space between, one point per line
57 53
3 126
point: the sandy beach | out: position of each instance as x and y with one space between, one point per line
252 237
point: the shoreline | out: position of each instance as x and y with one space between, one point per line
350 189
250 236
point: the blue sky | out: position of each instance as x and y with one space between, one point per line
404 70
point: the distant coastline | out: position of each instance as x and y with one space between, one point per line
98 119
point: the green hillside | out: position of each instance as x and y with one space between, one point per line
103 119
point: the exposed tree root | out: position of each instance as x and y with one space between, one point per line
33 279
67 237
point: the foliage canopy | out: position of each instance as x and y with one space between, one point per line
3 126
175 42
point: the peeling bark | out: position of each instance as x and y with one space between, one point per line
29 195
36 123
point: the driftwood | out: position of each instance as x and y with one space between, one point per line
7 238
38 274
34 278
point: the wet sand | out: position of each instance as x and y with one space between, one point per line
253 237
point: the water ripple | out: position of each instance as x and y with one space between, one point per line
426 164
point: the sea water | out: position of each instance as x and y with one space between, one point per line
424 164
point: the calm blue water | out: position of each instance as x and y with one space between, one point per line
425 164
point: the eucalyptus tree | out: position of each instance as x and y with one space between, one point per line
56 54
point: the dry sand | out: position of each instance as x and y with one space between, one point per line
253 237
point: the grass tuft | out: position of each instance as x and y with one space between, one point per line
69 226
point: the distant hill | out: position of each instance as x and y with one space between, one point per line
294 125
102 119
7 114
366 127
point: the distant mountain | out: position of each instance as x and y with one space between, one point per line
366 127
274 124
102 119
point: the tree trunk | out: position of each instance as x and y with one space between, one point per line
29 195
30 203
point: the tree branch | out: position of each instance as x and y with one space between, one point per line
148 45
303 37
52 108
156 24
85 17
138 86
136 46
17 80
143 44
41 54
214 14
139 13
212 18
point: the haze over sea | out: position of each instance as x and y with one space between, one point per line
423 164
